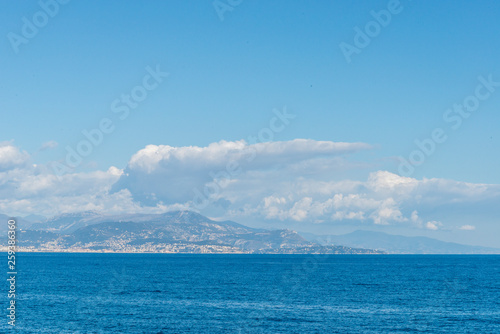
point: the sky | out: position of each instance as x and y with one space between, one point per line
319 116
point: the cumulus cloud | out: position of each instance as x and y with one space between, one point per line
216 155
433 225
175 174
267 182
383 198
414 217
467 227
287 181
164 175
49 145
12 157
349 215
35 189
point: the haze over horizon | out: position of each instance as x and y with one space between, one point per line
278 128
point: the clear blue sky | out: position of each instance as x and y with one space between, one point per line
226 76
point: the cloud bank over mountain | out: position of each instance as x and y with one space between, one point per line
174 174
299 181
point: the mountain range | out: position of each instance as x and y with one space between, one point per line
172 232
398 244
190 232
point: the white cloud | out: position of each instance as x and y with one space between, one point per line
384 182
35 189
388 211
270 182
49 145
414 217
216 155
12 157
301 209
26 188
177 174
281 182
467 227
344 215
433 225
384 198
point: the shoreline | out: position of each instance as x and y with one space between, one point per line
239 253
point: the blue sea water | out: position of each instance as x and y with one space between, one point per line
161 293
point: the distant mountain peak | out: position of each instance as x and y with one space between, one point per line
87 213
399 244
172 232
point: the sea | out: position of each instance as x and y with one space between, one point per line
215 293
